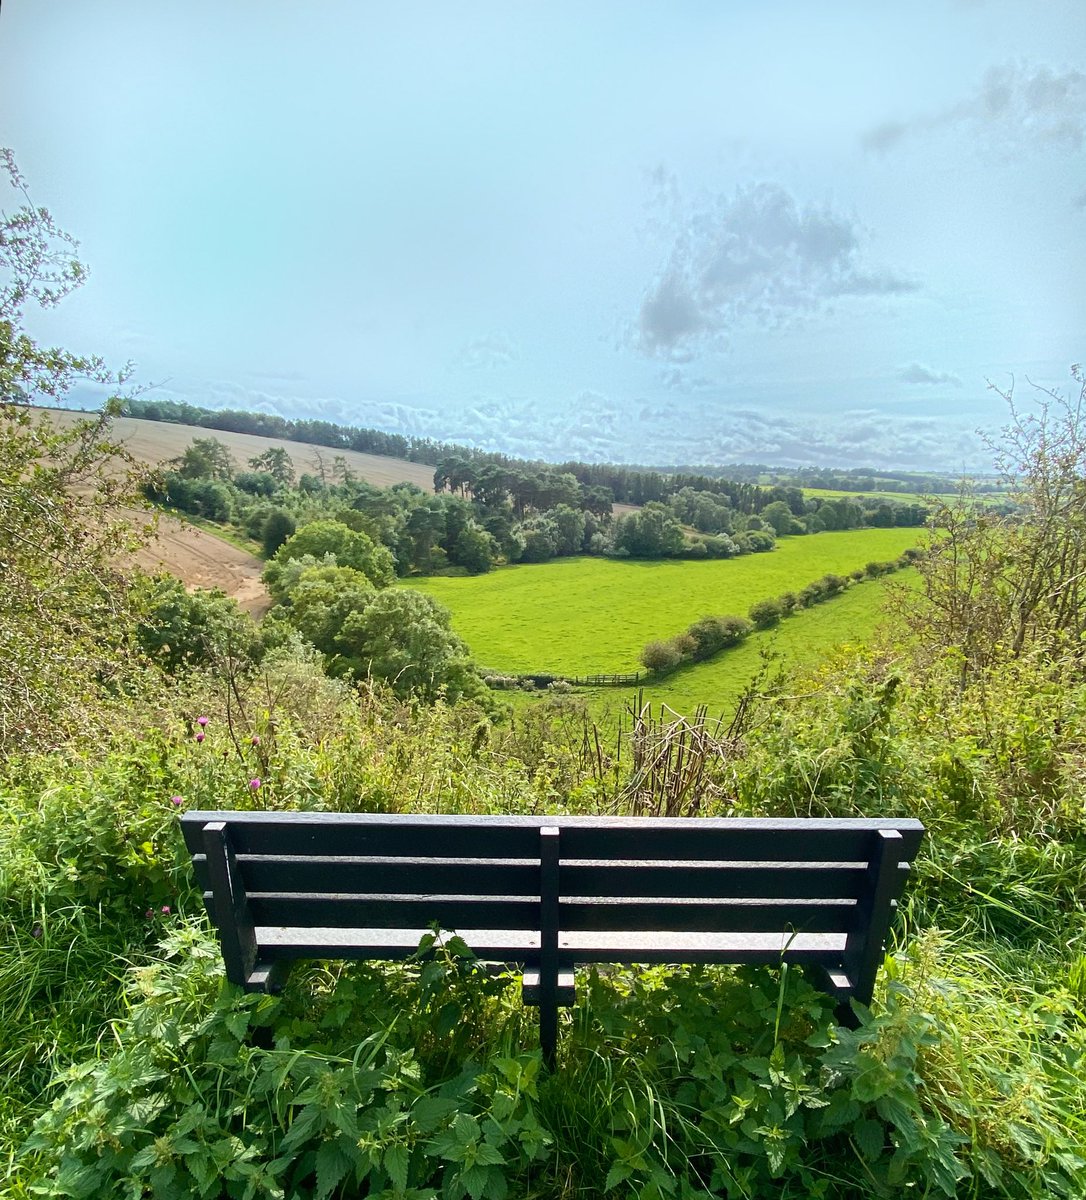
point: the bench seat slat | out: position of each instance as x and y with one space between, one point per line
683 879
680 946
629 838
679 878
708 915
498 945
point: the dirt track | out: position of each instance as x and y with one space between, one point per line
202 560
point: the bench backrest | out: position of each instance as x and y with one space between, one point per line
574 874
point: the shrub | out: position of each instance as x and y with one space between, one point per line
660 656
712 634
278 526
766 613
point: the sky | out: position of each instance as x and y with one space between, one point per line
663 233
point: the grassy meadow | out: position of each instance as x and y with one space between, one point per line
583 616
799 642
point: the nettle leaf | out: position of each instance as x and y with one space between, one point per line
870 1136
428 1112
332 1164
396 1160
619 1172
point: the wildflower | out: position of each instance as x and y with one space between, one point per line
254 740
254 784
201 721
166 909
149 913
177 801
200 736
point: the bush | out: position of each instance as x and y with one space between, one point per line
766 613
712 634
661 656
277 528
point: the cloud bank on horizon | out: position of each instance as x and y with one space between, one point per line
663 235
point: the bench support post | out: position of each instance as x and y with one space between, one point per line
548 943
865 945
235 924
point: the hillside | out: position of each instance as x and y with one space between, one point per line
196 556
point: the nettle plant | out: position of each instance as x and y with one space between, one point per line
416 1081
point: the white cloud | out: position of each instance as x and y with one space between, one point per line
917 373
1021 107
491 350
756 257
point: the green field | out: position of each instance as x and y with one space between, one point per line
583 616
801 640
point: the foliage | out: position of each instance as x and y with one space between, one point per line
350 548
180 630
63 605
998 585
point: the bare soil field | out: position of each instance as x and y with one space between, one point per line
157 442
202 560
199 558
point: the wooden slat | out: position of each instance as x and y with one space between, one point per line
343 875
391 912
385 836
494 945
806 881
734 916
675 946
698 840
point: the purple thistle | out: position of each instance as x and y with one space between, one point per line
201 721
177 801
254 784
166 909
200 736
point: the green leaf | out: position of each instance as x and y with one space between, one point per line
332 1165
870 1137
395 1162
619 1172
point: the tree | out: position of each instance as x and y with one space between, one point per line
351 549
277 463
278 526
64 604
206 458
404 638
650 533
179 630
1000 584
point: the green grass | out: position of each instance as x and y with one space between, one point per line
582 616
800 641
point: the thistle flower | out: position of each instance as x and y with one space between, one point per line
200 736
254 740
166 909
254 784
149 913
201 721
177 801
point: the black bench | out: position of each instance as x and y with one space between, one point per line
551 893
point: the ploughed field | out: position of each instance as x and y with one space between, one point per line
586 616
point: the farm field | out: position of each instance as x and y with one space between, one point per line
158 441
583 616
800 641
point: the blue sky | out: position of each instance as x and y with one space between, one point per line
668 233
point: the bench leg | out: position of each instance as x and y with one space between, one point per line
548 1034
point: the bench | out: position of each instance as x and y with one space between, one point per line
548 894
